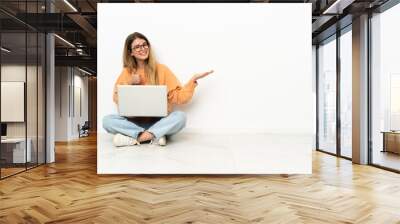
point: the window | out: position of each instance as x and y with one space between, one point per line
327 96
346 93
385 89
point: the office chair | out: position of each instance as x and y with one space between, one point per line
84 130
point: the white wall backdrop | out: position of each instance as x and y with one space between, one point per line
261 55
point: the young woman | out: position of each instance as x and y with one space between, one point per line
141 68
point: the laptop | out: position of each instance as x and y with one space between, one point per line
142 100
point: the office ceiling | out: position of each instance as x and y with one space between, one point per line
79 27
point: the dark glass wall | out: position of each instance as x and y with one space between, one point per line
22 77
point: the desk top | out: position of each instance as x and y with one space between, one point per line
13 140
390 132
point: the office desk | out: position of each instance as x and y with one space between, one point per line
391 141
13 150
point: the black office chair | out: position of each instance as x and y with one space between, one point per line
84 130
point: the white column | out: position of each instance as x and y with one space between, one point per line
360 90
50 93
50 110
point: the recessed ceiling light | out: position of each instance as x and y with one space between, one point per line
84 71
70 5
64 40
337 7
5 49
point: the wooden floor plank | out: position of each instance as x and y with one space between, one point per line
70 191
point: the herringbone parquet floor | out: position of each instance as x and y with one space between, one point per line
70 191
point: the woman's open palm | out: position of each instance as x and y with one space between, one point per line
202 75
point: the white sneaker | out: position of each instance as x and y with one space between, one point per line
122 140
162 141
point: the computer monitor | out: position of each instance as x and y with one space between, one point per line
3 129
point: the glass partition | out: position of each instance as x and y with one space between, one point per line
327 96
22 77
32 96
13 95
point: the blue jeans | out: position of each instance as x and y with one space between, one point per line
166 126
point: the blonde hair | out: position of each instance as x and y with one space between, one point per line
130 63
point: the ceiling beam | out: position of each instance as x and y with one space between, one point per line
86 26
83 61
337 6
320 22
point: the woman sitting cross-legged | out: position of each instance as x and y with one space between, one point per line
141 68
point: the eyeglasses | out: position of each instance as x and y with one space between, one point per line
138 47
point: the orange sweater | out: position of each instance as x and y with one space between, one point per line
177 94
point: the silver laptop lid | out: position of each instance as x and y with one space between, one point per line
142 100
